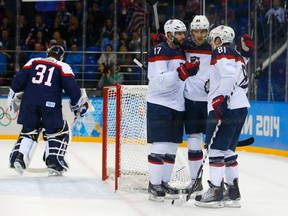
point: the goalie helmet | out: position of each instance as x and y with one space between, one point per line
174 25
199 22
56 51
225 33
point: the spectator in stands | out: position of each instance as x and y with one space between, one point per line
40 38
24 29
78 11
58 40
221 15
110 75
38 51
211 15
107 58
180 12
124 38
9 47
277 14
55 27
6 25
135 43
39 25
74 59
63 14
3 60
74 30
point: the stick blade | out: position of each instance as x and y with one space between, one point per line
246 142
180 201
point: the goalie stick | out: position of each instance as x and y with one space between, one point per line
186 198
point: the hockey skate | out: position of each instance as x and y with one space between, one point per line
171 192
211 198
198 188
55 170
19 164
231 195
156 193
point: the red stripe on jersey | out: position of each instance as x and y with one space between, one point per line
67 74
166 58
155 162
218 57
208 52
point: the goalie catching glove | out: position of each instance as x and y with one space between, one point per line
83 105
188 69
220 107
246 46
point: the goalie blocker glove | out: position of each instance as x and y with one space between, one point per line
246 46
188 69
220 107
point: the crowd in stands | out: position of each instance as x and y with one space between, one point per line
43 24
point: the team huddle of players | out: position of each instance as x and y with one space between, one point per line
198 83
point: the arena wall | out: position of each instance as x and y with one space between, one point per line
267 122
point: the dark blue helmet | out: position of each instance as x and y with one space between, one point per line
56 52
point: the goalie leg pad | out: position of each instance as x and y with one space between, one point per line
24 145
56 147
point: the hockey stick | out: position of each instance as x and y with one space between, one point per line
154 3
187 198
139 64
246 142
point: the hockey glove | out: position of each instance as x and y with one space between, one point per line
14 100
247 46
220 107
158 38
188 69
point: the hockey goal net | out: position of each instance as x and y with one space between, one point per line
125 148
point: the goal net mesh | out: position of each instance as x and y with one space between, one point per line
133 148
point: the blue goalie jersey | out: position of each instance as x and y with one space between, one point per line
43 81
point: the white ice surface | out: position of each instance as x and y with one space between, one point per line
81 192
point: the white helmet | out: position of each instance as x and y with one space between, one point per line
225 33
174 25
199 22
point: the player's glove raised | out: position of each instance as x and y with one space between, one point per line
157 38
188 69
220 107
247 46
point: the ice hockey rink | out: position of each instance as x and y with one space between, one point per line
263 184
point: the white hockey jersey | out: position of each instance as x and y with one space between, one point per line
226 68
195 85
165 87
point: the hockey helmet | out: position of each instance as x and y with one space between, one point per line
199 22
225 33
56 51
174 25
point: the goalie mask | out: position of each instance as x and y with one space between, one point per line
225 33
56 52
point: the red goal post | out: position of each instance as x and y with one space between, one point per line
124 145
